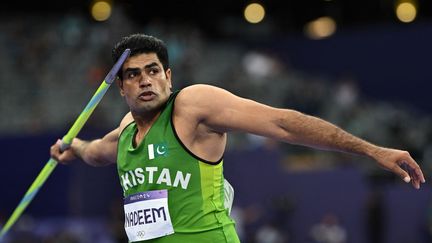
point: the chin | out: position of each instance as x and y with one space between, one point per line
148 107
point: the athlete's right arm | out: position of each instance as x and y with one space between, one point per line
98 152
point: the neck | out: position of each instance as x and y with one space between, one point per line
144 124
144 121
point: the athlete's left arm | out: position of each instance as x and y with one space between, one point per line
221 111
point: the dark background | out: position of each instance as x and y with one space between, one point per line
388 60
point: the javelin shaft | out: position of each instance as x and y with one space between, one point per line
84 116
30 194
66 141
97 97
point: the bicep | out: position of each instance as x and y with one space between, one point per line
103 151
109 145
223 111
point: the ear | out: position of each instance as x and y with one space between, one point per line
120 85
168 76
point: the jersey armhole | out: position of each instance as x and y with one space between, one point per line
181 143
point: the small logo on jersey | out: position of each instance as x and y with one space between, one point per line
157 150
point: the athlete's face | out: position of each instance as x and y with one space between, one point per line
146 86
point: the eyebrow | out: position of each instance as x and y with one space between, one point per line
151 65
132 70
138 69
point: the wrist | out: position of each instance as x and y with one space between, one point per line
373 151
78 147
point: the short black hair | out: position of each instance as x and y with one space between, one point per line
141 43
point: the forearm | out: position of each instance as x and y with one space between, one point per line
315 132
88 151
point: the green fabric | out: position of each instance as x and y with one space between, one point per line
195 186
219 235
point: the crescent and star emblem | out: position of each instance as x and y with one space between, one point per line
160 149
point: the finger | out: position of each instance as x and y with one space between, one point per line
56 145
411 169
63 162
416 169
54 150
415 181
420 175
401 173
417 172
62 159
56 153
416 184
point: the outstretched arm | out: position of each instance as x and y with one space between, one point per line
222 111
98 152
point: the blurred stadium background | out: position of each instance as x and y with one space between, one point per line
364 65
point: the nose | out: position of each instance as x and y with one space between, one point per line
145 81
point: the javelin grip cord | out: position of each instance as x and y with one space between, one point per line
66 142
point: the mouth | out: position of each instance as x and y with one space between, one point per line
147 96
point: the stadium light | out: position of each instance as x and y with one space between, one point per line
320 28
254 13
101 10
406 11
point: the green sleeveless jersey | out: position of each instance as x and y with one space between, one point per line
161 161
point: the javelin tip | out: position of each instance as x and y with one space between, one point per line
113 72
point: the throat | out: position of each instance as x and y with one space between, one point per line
139 137
144 124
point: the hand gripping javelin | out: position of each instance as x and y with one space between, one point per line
66 142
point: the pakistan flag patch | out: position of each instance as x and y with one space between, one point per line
157 150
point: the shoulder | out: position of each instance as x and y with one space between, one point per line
127 119
196 90
201 102
200 94
198 99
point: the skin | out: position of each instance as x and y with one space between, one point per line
146 86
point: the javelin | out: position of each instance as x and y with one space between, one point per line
66 142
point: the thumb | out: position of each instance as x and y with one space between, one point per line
402 174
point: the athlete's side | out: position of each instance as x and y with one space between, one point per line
169 148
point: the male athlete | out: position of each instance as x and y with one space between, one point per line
169 148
